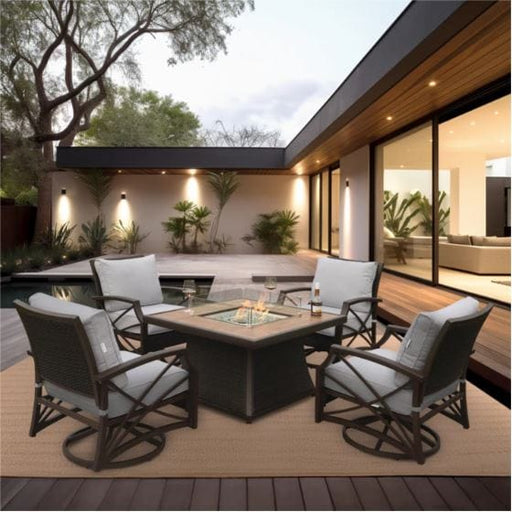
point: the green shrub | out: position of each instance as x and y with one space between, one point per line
128 237
276 232
95 236
27 197
56 238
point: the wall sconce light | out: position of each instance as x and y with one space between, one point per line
123 195
347 184
63 191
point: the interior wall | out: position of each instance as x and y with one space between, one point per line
467 189
150 200
355 205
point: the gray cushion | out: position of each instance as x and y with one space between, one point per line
130 318
421 335
341 280
459 239
96 323
381 379
135 383
135 278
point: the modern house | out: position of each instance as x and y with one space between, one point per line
407 163
426 112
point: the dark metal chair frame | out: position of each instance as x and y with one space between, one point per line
62 355
322 343
148 342
404 436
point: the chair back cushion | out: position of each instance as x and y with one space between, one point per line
135 278
96 323
341 280
422 333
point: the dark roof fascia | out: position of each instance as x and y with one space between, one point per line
422 28
170 158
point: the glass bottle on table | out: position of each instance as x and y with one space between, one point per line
316 302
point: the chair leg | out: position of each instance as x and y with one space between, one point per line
464 406
36 411
417 446
101 442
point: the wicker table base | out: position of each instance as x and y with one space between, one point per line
248 383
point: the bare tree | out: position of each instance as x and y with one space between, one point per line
56 55
242 137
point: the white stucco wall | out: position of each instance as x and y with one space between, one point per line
354 205
150 200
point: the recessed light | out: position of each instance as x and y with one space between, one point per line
472 123
432 83
451 132
192 172
402 166
389 118
317 161
119 171
299 172
163 172
496 112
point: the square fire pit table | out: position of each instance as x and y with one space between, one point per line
249 362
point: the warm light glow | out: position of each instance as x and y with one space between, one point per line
299 194
496 112
163 172
432 83
317 161
298 172
192 192
389 118
451 132
123 212
472 123
119 171
192 172
346 230
63 209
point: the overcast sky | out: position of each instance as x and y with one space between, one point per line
284 60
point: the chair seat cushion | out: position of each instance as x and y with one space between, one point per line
130 323
381 379
135 278
420 337
135 383
96 324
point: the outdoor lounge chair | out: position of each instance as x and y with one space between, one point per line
114 393
128 289
348 288
400 391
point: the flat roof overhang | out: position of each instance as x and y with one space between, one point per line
151 160
462 45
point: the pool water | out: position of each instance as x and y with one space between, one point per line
83 291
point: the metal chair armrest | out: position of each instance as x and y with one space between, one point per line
179 352
283 294
135 303
345 307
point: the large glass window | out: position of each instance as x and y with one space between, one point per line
403 224
325 208
474 184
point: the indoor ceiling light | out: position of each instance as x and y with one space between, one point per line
389 118
317 161
163 172
472 123
432 83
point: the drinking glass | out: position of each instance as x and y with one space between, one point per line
189 290
270 284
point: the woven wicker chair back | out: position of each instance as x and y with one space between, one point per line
452 349
60 348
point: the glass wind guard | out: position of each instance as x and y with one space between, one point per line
247 316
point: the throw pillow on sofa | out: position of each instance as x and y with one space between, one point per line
459 239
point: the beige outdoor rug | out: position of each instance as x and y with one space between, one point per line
285 443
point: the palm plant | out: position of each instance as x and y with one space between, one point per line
398 216
94 236
98 185
199 223
128 237
56 238
224 185
179 227
275 231
425 211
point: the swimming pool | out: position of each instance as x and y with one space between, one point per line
82 291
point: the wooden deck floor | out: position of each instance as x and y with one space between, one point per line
403 299
361 493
